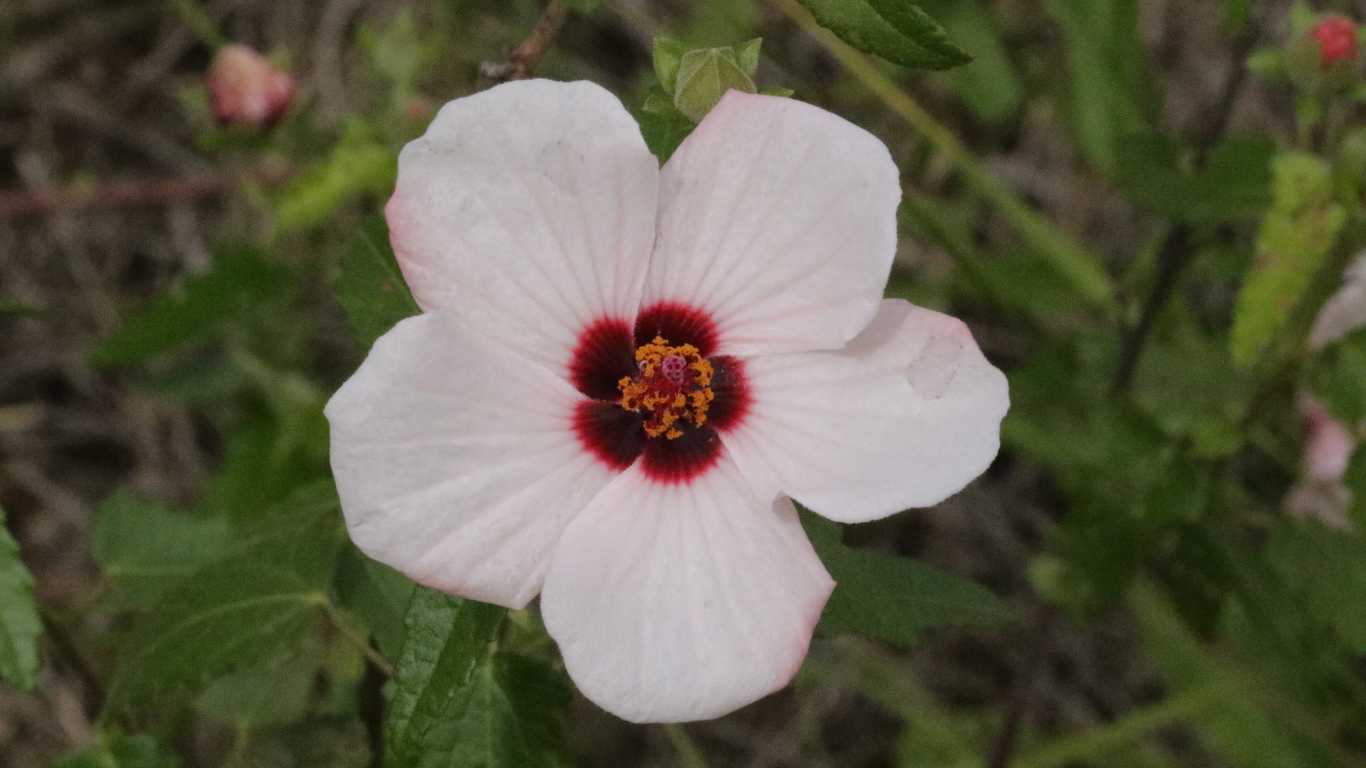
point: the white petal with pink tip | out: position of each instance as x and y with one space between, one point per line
905 416
531 208
456 461
779 220
683 602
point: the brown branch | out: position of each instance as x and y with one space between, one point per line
521 63
129 194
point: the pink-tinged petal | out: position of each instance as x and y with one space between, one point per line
531 207
1345 312
778 220
683 602
1328 443
905 416
457 462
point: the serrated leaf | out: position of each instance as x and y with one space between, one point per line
662 125
896 30
20 625
144 549
241 279
704 76
1294 243
665 56
459 702
989 85
259 600
895 599
118 750
370 286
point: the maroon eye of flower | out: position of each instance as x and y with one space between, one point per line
656 398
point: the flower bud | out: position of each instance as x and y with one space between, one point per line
246 89
1328 444
1336 37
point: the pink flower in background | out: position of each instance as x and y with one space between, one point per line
1345 312
245 88
624 376
1328 447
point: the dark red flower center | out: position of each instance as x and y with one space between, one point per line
656 392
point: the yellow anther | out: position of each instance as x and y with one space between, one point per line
673 387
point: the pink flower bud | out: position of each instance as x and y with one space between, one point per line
1328 443
1337 40
246 89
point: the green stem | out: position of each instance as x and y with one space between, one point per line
689 756
1098 742
1078 266
345 630
199 22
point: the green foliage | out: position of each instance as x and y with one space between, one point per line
895 599
145 549
1107 82
19 622
359 165
260 598
1235 182
896 30
704 76
460 701
1337 378
662 125
1295 241
990 84
240 281
369 285
118 750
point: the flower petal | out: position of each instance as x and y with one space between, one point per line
778 219
683 602
531 206
456 460
905 416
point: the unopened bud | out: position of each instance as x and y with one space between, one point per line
1336 37
246 89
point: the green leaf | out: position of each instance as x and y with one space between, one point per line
1110 96
275 691
990 85
896 30
370 286
240 281
19 622
1235 182
704 76
666 55
1337 378
459 702
377 595
260 599
145 549
224 619
118 750
895 598
662 125
1294 243
747 54
356 167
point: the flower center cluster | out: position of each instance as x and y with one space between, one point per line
671 389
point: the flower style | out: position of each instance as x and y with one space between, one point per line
623 376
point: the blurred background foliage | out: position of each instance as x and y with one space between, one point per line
1140 206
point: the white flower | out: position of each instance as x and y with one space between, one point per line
624 374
